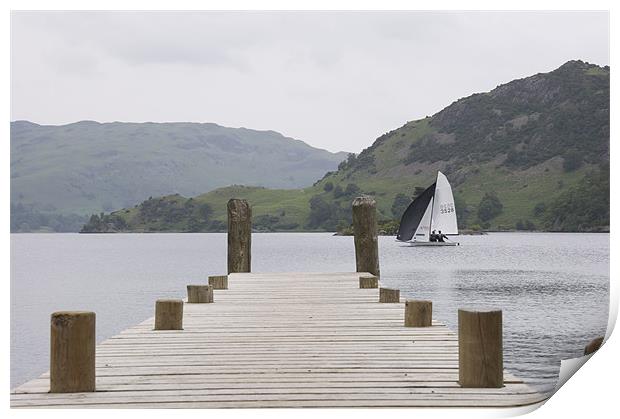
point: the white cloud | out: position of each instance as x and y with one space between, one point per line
336 80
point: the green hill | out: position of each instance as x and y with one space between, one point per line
530 154
61 174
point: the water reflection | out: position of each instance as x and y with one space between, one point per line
547 316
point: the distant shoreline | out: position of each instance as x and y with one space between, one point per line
480 233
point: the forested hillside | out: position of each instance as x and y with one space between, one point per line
530 154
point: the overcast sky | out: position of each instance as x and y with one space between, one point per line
336 80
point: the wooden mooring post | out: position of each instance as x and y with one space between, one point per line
364 213
481 363
169 315
388 295
593 346
369 282
199 294
418 313
239 236
72 356
219 282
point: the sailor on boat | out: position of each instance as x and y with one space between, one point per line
432 210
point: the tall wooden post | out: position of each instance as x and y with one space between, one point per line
481 362
72 356
365 232
239 236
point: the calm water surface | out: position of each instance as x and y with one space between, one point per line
553 288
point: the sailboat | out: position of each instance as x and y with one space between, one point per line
432 210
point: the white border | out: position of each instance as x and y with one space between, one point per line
591 393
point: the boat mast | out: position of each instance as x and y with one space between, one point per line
430 223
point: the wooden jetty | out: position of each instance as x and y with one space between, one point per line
282 340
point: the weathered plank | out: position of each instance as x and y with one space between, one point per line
282 340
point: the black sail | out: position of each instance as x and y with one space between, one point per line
413 214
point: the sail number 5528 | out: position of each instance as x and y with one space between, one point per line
446 208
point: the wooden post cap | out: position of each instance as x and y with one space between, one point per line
169 315
369 281
364 217
593 346
388 295
481 363
239 235
219 282
72 355
418 313
199 294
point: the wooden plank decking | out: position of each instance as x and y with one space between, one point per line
282 340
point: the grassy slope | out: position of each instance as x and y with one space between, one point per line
293 202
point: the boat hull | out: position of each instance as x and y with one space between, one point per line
432 244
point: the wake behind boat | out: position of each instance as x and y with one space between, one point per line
431 217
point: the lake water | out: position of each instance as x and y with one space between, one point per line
553 288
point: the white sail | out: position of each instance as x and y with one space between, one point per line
423 231
443 209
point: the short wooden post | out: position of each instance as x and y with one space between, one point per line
199 294
169 315
418 313
388 295
365 232
481 362
219 282
369 282
239 235
72 357
593 346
